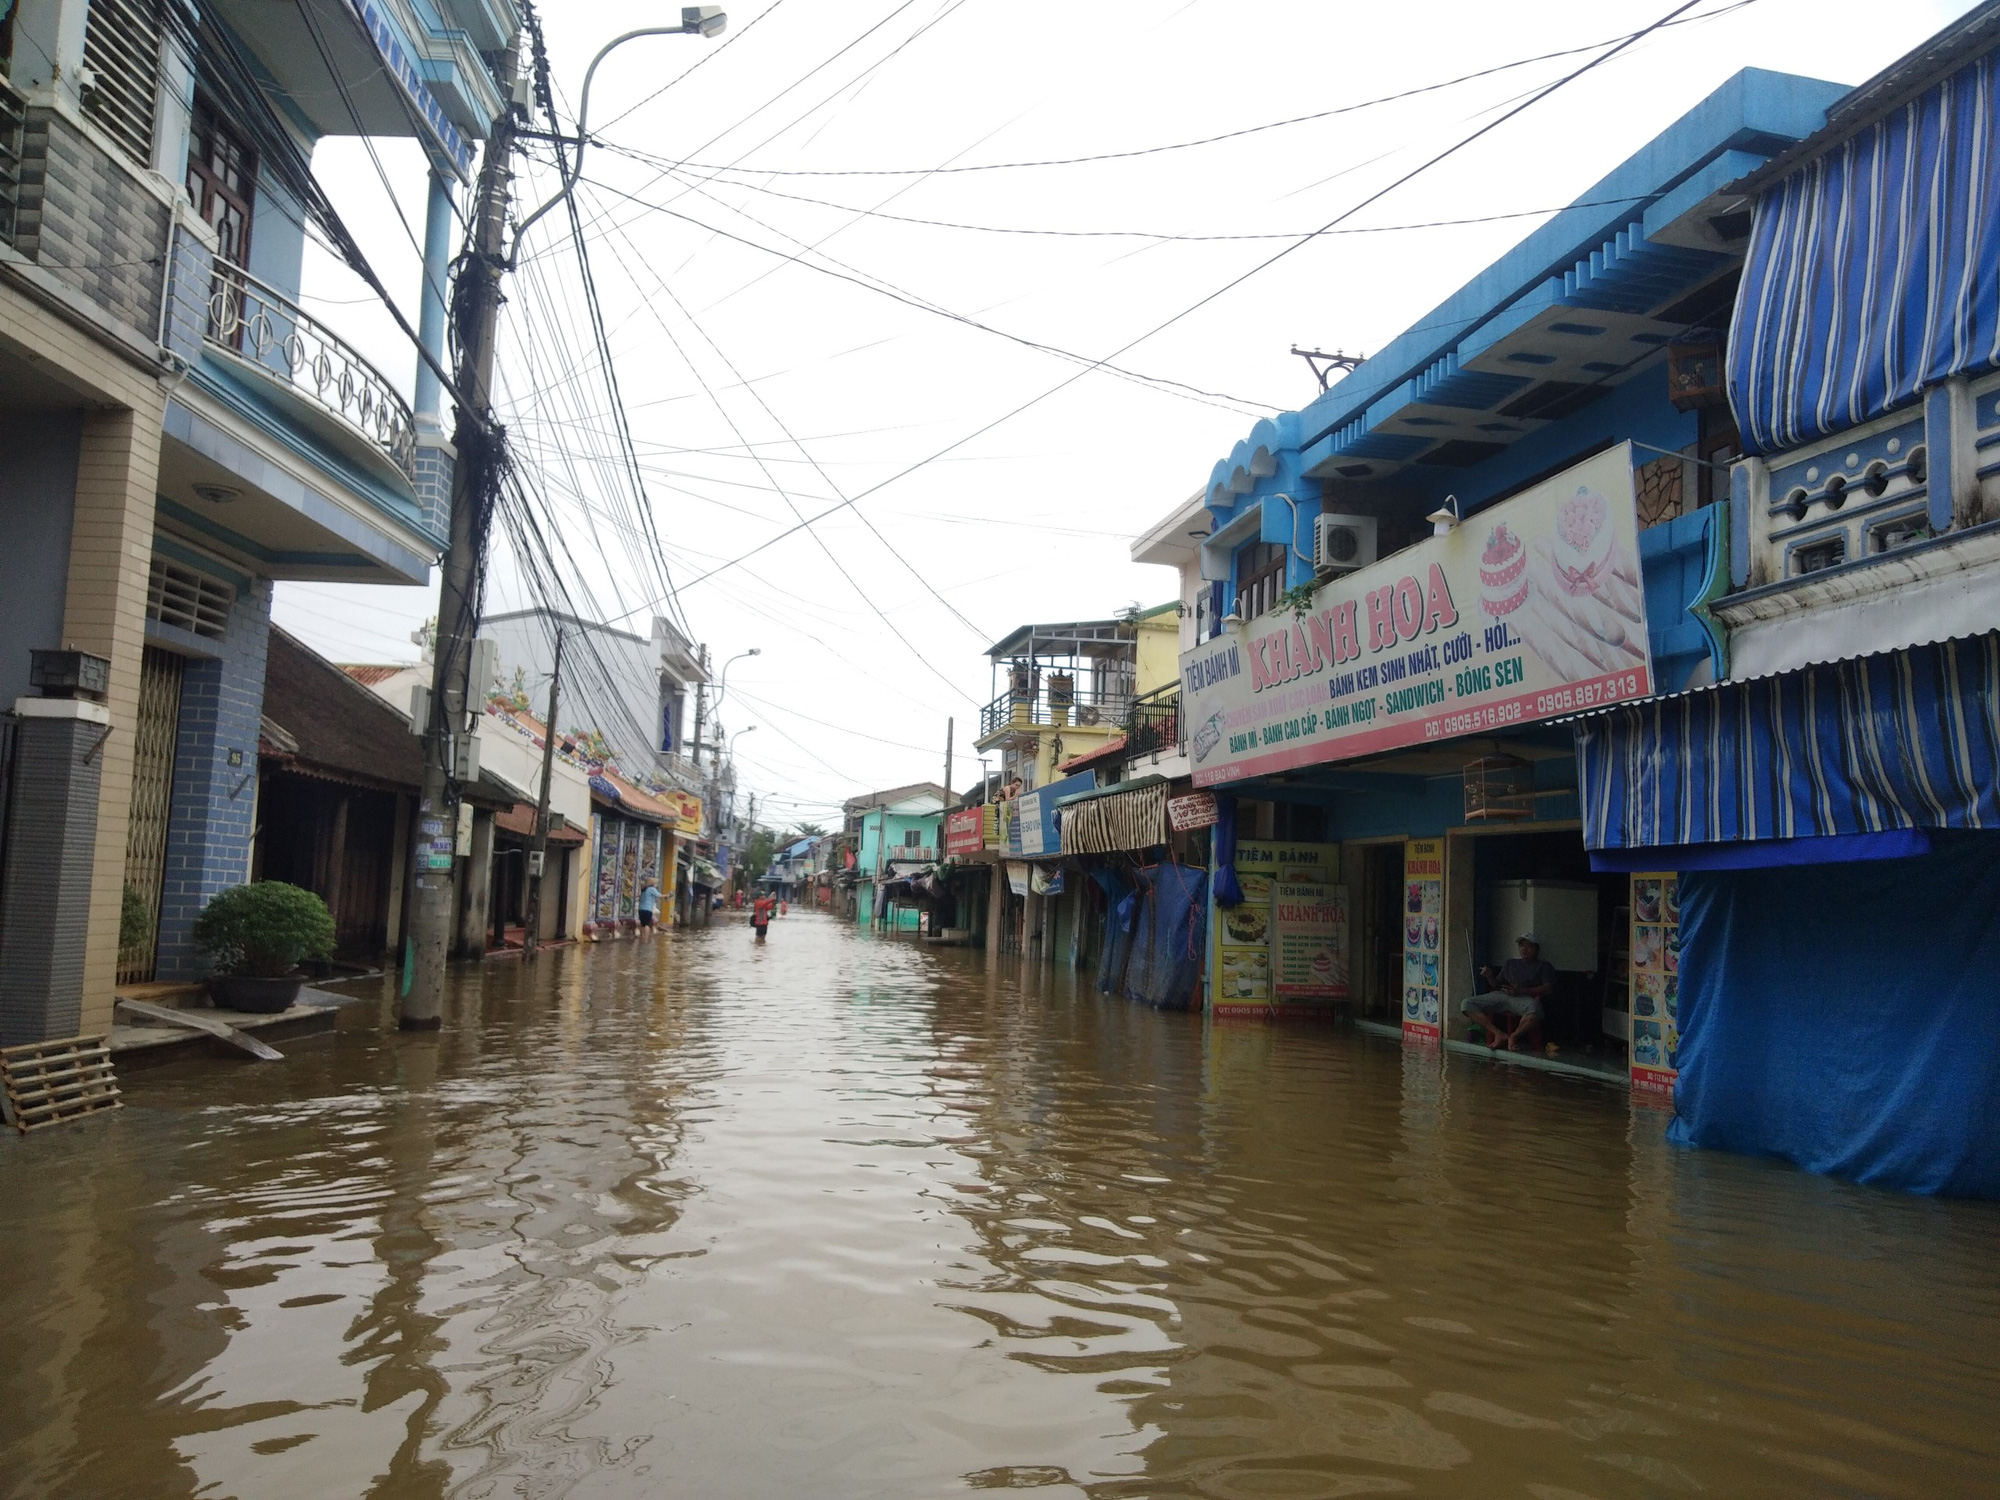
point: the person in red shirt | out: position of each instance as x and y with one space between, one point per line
760 916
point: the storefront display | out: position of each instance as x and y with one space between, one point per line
1423 939
1244 936
1656 949
1309 958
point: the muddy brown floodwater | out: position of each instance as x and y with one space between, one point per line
846 1217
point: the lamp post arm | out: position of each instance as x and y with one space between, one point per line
582 134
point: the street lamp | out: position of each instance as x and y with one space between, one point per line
722 688
696 20
729 759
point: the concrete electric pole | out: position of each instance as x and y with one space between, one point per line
538 850
448 757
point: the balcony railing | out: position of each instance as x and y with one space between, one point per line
1154 725
1084 706
258 323
13 145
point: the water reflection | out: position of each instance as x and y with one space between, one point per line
842 1216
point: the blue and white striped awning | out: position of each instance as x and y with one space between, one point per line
1884 745
1873 270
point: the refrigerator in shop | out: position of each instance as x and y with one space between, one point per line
1562 913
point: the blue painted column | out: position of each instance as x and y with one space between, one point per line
431 308
214 801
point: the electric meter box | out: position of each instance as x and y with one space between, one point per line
1562 913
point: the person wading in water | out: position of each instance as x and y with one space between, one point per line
760 916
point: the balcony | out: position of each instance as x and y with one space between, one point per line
1154 724
1054 708
336 393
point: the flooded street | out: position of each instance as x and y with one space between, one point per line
846 1217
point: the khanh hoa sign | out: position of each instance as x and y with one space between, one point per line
1529 610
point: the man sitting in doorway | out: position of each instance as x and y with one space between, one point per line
1511 1012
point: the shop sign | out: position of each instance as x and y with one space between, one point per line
1194 810
1241 937
1034 830
1530 610
1656 986
1017 876
1309 958
686 811
1423 939
965 831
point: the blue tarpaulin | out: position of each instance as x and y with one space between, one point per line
1120 905
1847 1018
1169 936
1873 271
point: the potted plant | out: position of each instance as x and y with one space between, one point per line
257 935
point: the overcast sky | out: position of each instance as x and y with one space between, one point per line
783 344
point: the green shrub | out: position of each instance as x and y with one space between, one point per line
264 931
134 922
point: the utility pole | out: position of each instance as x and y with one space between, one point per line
477 305
700 704
538 850
949 725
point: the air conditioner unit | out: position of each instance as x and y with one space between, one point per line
1342 544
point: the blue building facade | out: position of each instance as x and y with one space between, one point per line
182 432
1831 808
1765 883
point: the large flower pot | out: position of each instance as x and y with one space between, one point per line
263 996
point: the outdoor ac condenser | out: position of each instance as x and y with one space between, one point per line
1342 544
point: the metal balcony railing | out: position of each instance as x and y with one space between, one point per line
1083 706
13 145
1154 725
257 322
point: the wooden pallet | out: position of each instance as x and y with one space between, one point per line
46 1083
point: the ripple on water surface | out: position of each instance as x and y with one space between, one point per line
840 1216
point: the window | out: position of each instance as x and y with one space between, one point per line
188 600
221 181
1260 578
914 839
121 46
1817 557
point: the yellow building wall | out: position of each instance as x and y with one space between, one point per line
1159 655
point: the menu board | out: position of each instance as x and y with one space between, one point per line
1423 939
1241 940
1530 610
1309 958
1656 985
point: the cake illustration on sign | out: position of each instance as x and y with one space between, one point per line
1573 598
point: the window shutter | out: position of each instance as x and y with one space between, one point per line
121 46
188 600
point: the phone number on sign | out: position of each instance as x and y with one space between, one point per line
1590 694
1471 720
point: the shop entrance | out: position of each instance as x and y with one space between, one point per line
1540 880
1378 948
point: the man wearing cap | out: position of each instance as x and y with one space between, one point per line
1511 1012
